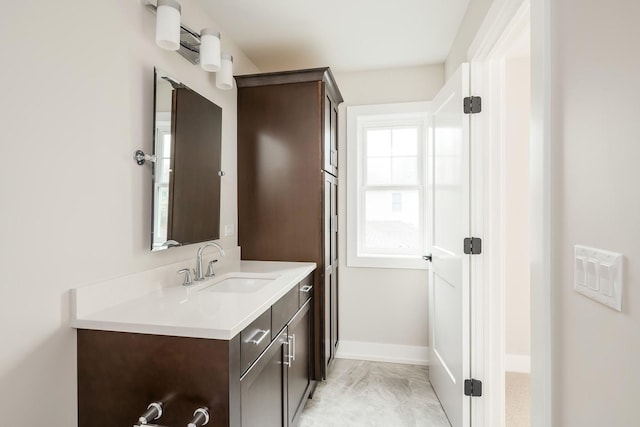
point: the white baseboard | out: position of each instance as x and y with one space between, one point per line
517 363
377 352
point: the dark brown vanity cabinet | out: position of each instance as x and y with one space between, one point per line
275 388
264 387
259 378
287 184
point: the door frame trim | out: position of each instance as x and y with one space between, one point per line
487 358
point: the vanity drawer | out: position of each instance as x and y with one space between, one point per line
305 290
254 339
283 310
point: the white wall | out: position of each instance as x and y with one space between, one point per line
77 100
475 14
596 202
380 309
517 289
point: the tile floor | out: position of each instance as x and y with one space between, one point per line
374 394
518 399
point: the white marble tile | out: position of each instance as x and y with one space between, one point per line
374 394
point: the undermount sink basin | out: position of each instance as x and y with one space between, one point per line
239 284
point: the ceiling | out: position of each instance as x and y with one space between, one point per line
347 35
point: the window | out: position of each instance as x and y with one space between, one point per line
386 185
161 182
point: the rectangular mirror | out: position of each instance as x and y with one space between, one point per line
186 173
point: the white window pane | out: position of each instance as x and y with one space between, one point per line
405 142
165 170
166 145
405 170
379 171
453 138
392 222
378 142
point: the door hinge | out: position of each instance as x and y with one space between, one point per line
472 105
473 388
472 246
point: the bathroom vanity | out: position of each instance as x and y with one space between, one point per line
238 344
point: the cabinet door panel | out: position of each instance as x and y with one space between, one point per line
264 387
283 310
334 310
330 290
299 366
334 138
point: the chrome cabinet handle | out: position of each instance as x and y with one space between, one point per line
290 357
306 289
293 352
259 340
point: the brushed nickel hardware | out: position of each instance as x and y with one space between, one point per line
153 412
293 351
188 279
199 275
289 362
259 340
210 272
140 157
200 418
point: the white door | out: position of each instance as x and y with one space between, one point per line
449 273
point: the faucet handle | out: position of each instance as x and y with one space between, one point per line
210 272
188 279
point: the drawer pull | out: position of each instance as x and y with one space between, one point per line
259 340
306 289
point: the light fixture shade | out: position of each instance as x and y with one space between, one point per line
168 24
224 77
210 49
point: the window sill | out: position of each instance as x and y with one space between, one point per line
405 263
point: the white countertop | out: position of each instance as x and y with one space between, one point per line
192 311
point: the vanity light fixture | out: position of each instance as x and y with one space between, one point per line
224 78
168 24
210 50
203 48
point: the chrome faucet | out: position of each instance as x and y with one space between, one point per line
199 275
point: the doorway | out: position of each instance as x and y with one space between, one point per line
516 85
503 77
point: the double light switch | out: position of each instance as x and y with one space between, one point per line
598 275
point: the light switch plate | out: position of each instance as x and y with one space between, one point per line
228 230
598 275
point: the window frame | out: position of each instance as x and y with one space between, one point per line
359 119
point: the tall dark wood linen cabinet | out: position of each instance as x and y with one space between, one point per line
287 184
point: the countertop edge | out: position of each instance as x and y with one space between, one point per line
295 272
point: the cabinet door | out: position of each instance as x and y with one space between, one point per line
329 295
334 268
330 142
263 388
300 363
